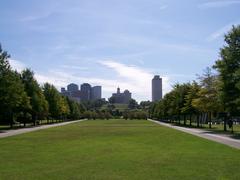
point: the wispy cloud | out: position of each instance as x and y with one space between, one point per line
35 17
220 32
137 79
163 7
74 67
17 65
218 4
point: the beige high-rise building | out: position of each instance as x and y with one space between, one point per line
156 88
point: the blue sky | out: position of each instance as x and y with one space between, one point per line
116 42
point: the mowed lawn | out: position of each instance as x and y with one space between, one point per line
115 149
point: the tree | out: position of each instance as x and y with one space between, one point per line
64 109
207 101
228 66
57 104
75 111
145 104
37 99
112 100
13 98
189 98
178 100
132 104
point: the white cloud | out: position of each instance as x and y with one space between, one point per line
218 4
137 80
17 65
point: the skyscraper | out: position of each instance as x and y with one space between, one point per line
86 92
96 93
72 87
156 88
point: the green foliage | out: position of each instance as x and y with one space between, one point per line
94 104
192 95
135 115
97 115
75 110
207 98
58 105
13 98
228 67
133 104
37 99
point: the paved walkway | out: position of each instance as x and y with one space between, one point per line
14 132
220 138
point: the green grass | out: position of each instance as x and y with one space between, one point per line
115 149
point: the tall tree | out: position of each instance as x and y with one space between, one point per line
13 98
37 98
189 98
53 97
133 104
207 101
228 67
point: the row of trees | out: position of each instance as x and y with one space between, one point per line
137 114
97 115
215 95
23 100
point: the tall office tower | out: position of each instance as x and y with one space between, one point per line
96 93
72 87
86 92
156 88
63 90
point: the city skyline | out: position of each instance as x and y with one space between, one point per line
116 44
86 92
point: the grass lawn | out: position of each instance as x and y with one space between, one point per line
115 149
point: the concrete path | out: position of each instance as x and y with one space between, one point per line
14 132
220 138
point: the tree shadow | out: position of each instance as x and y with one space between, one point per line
213 130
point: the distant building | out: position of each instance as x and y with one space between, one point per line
86 90
72 87
156 88
96 93
121 98
86 93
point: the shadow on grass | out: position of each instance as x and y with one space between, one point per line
6 128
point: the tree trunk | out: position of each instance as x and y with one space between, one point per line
210 120
225 123
190 118
184 116
198 120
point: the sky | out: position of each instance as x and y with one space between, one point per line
116 43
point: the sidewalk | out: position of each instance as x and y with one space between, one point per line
220 138
14 132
